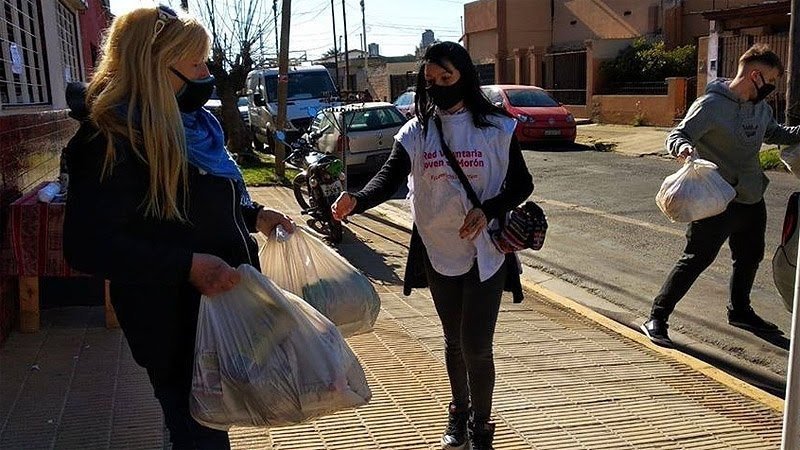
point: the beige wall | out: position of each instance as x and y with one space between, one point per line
483 46
601 19
657 110
527 24
480 16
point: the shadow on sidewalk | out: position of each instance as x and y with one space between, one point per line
373 262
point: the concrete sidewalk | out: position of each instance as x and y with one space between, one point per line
627 139
566 379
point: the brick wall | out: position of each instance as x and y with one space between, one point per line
30 146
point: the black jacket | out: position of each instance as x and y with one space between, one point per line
517 186
147 261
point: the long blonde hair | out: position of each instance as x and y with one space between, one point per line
133 73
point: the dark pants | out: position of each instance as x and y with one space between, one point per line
468 311
184 432
744 226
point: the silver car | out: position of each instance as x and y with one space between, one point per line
370 133
405 103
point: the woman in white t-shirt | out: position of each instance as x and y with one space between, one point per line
450 250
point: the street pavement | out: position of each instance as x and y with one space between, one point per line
567 377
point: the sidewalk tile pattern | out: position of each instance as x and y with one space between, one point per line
563 382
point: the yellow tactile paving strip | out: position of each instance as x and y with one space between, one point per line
563 382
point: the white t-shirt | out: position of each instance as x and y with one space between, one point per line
439 202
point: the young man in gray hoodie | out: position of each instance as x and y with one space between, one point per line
727 126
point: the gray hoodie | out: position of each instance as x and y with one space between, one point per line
729 131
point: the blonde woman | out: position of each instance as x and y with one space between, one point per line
156 204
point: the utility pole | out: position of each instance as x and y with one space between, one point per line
283 85
793 78
335 48
346 50
364 33
275 25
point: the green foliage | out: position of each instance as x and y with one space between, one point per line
260 171
770 159
650 61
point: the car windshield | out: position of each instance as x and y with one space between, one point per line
302 85
529 97
242 101
373 119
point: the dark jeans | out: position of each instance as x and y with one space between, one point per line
468 311
184 432
744 226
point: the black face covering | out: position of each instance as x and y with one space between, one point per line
445 97
195 93
763 91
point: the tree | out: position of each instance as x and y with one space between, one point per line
330 53
238 32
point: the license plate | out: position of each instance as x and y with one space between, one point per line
331 190
552 132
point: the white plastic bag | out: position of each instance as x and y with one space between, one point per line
790 155
305 266
696 191
265 358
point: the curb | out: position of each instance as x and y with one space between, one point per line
706 369
401 219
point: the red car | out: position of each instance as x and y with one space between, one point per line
539 117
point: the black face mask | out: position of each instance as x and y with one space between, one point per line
445 97
195 93
763 91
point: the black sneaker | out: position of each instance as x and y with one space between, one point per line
748 320
656 330
481 435
455 436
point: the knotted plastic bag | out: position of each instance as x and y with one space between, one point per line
696 191
307 267
265 358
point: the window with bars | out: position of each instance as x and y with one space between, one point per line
68 39
23 77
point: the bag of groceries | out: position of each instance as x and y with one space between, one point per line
696 191
303 265
265 358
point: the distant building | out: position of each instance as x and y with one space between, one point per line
374 49
427 39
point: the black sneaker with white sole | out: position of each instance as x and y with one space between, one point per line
455 436
747 319
656 330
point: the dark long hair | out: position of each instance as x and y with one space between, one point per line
474 100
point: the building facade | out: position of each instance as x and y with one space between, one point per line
44 44
560 45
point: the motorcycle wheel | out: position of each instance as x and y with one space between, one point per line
298 183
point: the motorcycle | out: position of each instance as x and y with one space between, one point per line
318 185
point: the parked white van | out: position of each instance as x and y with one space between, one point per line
311 89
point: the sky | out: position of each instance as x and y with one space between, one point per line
395 25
